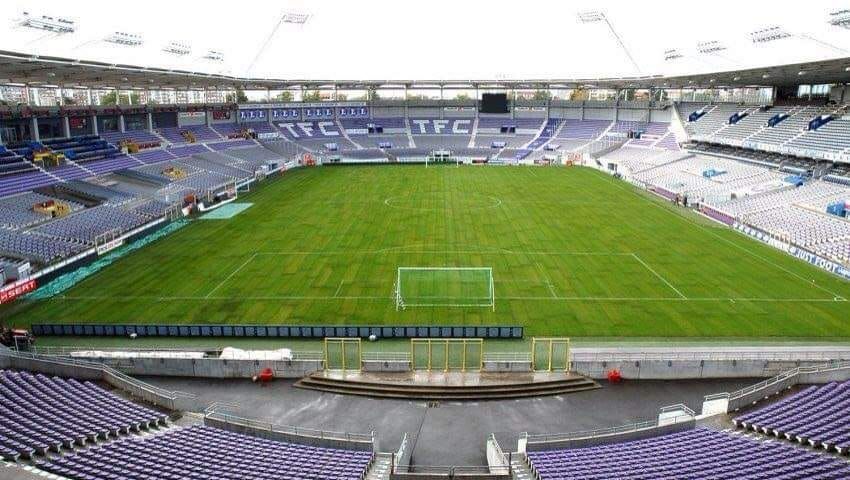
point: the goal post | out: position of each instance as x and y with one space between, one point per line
445 287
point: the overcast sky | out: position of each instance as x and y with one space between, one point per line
437 39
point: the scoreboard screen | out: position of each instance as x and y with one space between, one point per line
494 103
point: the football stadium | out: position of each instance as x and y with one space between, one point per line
323 241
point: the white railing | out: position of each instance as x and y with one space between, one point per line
214 414
507 357
453 471
606 432
785 376
135 387
386 356
694 355
213 352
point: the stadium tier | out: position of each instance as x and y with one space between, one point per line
816 415
698 454
208 453
41 414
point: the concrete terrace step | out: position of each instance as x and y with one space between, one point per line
449 386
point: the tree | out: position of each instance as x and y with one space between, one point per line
311 96
462 96
284 96
68 101
541 95
372 93
341 97
112 98
239 97
579 95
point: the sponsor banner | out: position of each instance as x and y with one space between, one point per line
802 254
191 115
110 245
14 290
299 105
352 112
268 135
820 262
253 115
221 114
286 113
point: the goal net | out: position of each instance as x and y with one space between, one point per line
444 287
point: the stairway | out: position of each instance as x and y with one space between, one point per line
380 468
520 468
443 391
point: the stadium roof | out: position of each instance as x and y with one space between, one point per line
38 70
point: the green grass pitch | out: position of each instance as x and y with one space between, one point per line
573 252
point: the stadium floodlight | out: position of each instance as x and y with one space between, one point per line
710 47
292 18
295 18
124 38
770 34
48 23
672 54
840 18
178 48
597 16
214 56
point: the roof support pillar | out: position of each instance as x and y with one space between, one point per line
34 129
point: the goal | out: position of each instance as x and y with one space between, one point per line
444 287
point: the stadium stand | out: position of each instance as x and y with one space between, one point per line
695 454
37 248
89 224
21 210
205 452
816 416
189 134
41 414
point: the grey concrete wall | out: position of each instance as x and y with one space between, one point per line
390 366
615 438
211 367
55 369
288 437
507 366
688 369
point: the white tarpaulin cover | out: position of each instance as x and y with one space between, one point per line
150 354
230 353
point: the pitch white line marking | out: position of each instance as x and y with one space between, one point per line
658 275
336 294
250 259
392 297
638 194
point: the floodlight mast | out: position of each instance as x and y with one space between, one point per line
57 25
292 18
177 48
124 38
772 34
672 54
597 16
840 18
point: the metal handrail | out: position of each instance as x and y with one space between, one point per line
785 376
66 351
386 356
291 430
507 357
823 355
602 432
127 383
454 469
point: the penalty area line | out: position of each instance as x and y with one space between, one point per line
658 275
234 272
